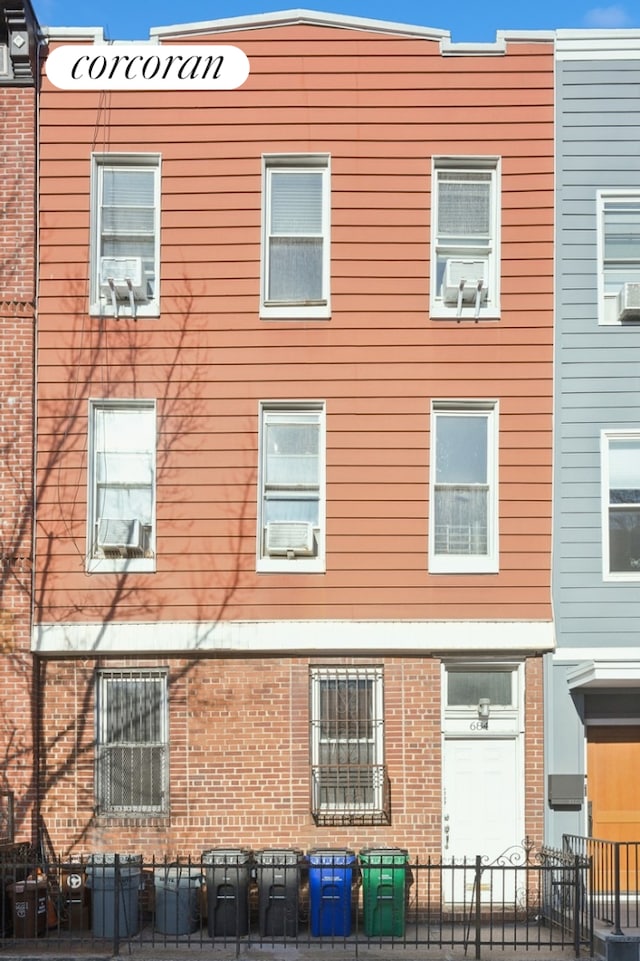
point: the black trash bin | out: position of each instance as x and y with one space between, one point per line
228 874
278 877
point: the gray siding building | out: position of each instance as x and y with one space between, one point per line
592 680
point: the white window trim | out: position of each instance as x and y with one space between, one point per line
490 309
376 674
112 674
100 305
605 437
321 311
607 303
462 721
101 565
468 563
295 565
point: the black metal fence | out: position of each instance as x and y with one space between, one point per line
234 898
614 889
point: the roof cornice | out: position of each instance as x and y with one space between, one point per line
22 30
298 16
623 44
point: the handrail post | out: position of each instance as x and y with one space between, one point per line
616 888
116 906
478 903
577 905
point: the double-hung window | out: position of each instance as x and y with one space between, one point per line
132 742
295 237
125 235
122 447
291 527
465 243
619 257
463 516
621 504
349 781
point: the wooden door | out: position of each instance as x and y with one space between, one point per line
613 782
613 792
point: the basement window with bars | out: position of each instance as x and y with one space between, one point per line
132 742
348 776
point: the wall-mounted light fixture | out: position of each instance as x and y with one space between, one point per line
484 708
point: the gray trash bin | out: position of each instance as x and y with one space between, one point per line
114 880
228 873
278 877
176 889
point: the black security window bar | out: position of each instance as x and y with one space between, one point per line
132 742
349 780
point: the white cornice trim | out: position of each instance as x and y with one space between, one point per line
81 34
499 46
597 653
598 44
604 673
290 637
297 16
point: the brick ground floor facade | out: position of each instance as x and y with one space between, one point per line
238 742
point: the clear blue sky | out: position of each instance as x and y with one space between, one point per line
466 20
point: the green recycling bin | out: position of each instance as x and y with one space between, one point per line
385 879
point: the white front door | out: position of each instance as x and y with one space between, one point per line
482 809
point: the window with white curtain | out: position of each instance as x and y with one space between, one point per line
291 529
125 234
295 247
619 256
463 527
621 504
132 742
465 241
121 529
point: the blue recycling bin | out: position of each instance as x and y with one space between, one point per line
330 879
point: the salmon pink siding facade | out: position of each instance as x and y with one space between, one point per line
251 646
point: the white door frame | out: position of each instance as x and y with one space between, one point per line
504 722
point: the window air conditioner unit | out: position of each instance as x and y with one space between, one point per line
629 302
468 277
117 273
290 538
121 538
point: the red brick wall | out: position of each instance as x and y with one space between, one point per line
17 246
239 759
